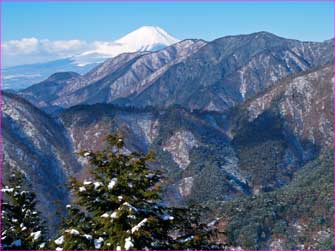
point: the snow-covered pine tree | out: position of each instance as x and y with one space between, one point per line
22 225
119 207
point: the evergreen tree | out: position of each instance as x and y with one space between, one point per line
119 207
22 226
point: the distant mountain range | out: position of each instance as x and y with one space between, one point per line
198 75
146 38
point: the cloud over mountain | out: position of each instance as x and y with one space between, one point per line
33 50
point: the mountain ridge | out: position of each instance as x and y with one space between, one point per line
215 70
145 38
37 145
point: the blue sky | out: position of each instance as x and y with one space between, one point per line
36 32
107 21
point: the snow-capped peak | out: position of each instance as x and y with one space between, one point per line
145 38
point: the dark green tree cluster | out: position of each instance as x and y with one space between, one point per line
307 204
22 226
119 207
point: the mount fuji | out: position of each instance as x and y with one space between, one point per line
145 38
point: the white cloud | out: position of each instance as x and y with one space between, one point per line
23 46
33 50
63 46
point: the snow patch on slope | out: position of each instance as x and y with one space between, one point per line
185 186
180 145
149 128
